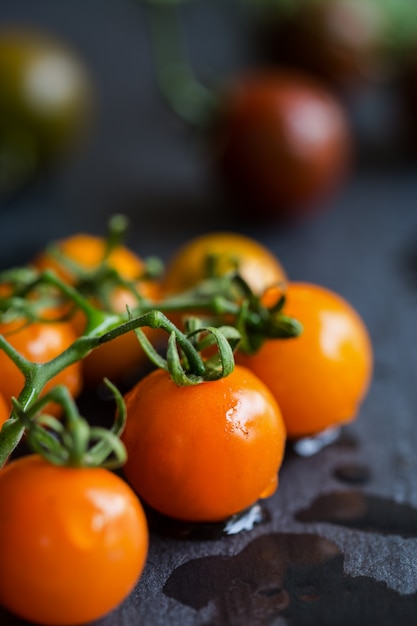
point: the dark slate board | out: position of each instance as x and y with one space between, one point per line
337 543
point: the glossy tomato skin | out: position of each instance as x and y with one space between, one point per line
118 358
38 342
282 144
83 549
257 265
205 452
321 377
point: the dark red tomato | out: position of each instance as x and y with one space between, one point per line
282 143
343 41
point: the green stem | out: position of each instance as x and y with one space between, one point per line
38 374
95 317
10 436
118 226
186 96
156 319
68 441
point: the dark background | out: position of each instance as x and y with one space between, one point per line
142 161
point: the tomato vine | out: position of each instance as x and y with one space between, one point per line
233 315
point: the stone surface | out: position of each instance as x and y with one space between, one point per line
308 562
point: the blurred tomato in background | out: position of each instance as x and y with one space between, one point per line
282 143
46 103
347 42
362 49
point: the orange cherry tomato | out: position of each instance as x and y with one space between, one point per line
119 357
282 144
73 543
38 342
87 251
257 265
124 355
320 378
203 452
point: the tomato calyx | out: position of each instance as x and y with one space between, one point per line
72 442
184 357
230 301
222 313
99 282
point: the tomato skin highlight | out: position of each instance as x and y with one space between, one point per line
204 452
39 342
282 144
73 541
321 377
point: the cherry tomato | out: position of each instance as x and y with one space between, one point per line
123 356
282 144
340 40
350 43
73 543
119 357
203 452
257 265
39 342
46 98
87 251
320 378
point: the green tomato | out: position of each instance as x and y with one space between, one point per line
46 99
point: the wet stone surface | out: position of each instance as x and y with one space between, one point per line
337 544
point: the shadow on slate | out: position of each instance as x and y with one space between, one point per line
363 512
298 578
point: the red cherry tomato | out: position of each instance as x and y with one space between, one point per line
73 543
282 143
320 378
203 452
350 43
343 41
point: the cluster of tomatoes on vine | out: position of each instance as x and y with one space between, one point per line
244 360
